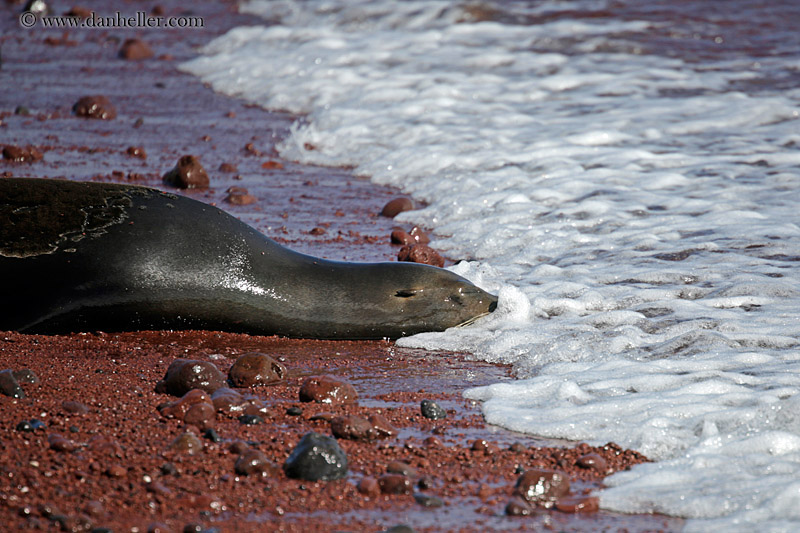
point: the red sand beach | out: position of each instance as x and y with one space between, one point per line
109 454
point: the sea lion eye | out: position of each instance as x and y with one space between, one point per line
407 293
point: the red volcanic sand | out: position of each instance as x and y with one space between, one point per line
106 457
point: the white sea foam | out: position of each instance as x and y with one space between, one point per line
636 213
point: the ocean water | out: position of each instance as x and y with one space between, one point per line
625 174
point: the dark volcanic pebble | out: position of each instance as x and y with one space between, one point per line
239 196
542 486
250 420
395 484
255 462
432 410
426 500
254 369
94 107
9 385
212 435
420 253
294 411
316 457
327 389
397 206
135 49
184 375
19 154
187 174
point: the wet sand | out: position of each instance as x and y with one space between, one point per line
113 466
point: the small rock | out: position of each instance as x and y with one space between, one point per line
395 484
399 467
9 385
272 165
239 196
22 110
517 448
432 410
255 369
194 407
593 461
97 106
327 389
482 445
136 151
229 168
351 427
578 504
186 443
541 486
419 236
18 154
427 500
397 206
60 443
187 174
317 231
135 49
518 507
316 457
368 486
184 375
116 471
400 236
26 375
294 411
250 420
420 253
74 408
255 462
212 435
381 427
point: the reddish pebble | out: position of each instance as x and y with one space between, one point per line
17 154
432 442
184 375
369 486
136 151
578 504
317 231
255 462
420 253
327 389
593 461
228 167
351 427
399 467
255 369
98 107
186 443
399 236
74 408
135 49
116 471
272 165
381 427
419 236
397 206
481 445
239 196
187 174
395 484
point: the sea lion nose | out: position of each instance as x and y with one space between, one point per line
493 305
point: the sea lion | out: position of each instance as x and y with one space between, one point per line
88 256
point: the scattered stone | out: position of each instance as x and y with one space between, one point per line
432 442
9 385
250 420
18 154
400 528
593 461
327 389
97 106
482 445
187 174
419 236
169 469
542 487
432 410
316 457
518 507
272 165
426 500
101 445
397 206
517 448
381 427
368 486
136 151
194 407
420 253
399 467
294 411
22 111
26 375
186 443
184 375
317 231
252 461
239 447
60 443
415 236
74 408
352 427
228 167
578 504
239 196
255 369
135 49
395 484
212 435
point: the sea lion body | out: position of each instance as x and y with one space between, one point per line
111 257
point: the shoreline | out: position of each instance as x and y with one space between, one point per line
325 212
